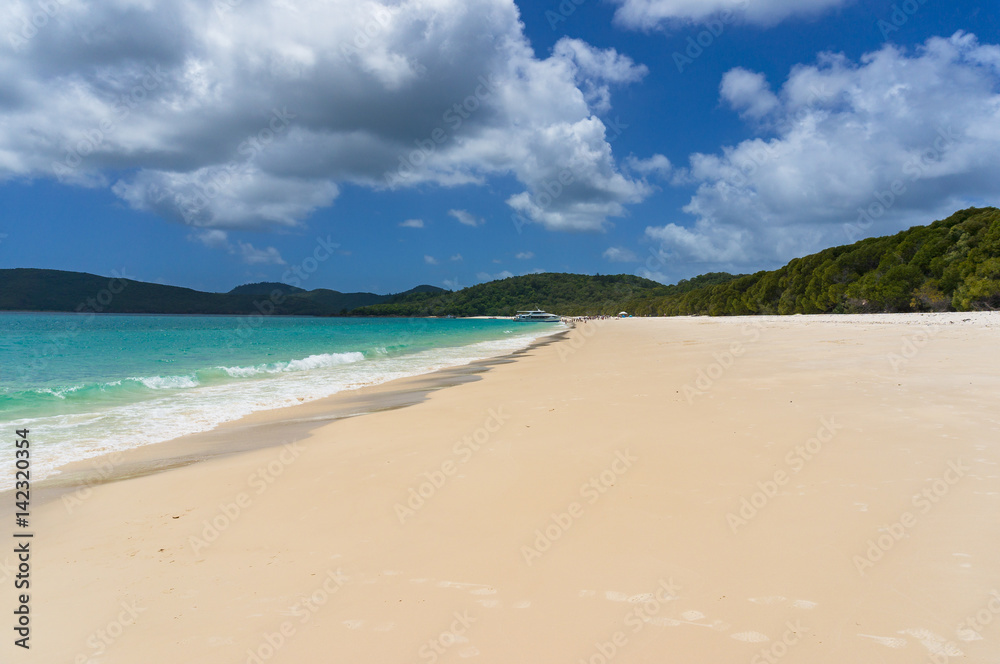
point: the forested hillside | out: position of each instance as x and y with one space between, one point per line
564 294
952 264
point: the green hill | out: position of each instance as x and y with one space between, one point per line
26 289
952 264
265 288
564 294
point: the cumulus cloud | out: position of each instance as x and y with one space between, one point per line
656 165
596 69
650 14
249 254
430 260
619 255
524 255
848 150
748 93
486 276
466 218
412 223
255 116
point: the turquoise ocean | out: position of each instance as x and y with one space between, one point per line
89 384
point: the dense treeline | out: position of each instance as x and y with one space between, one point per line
952 264
26 289
564 294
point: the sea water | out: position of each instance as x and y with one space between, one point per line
87 384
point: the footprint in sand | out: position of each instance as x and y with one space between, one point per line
887 641
935 643
767 600
750 637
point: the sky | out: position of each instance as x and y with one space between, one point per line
374 146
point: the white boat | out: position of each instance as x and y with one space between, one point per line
536 316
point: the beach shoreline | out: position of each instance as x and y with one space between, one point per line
698 489
262 429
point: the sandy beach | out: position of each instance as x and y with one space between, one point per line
800 489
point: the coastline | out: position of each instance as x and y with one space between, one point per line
262 429
586 499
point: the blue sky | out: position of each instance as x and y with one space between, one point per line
212 145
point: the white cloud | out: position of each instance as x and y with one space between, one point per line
567 162
253 256
748 93
619 255
649 14
430 260
452 284
486 276
596 69
254 117
524 255
467 218
852 149
656 165
216 239
412 223
456 257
